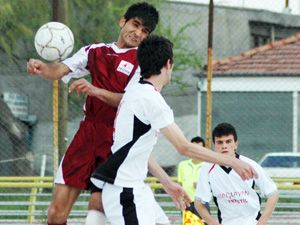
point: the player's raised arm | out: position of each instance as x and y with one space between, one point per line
83 86
174 134
52 71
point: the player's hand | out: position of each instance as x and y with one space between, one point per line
244 169
180 198
83 86
36 67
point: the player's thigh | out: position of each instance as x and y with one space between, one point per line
64 196
128 206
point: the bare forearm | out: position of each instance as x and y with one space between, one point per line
183 146
52 71
55 71
83 86
191 150
110 98
269 208
156 170
202 210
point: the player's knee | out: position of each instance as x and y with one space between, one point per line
95 202
57 214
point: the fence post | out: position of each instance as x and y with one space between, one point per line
32 201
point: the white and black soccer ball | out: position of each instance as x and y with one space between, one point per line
54 41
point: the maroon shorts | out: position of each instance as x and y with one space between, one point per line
89 148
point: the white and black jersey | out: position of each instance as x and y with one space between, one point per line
141 114
236 199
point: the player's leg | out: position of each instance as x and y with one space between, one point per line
63 199
95 214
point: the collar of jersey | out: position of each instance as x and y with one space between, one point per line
120 50
228 169
145 82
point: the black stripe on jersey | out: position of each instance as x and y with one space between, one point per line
128 207
108 170
259 199
219 211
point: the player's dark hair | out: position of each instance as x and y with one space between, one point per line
153 54
145 12
224 129
198 140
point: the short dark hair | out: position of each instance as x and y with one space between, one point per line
153 53
197 140
224 129
145 12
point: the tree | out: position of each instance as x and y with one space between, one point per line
18 21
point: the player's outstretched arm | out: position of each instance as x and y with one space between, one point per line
202 210
83 86
174 134
180 198
269 208
52 71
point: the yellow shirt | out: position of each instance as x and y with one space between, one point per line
188 175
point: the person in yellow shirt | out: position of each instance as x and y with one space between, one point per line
188 175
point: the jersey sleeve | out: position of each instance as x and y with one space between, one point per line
264 182
203 191
77 64
159 113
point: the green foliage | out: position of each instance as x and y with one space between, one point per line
18 20
90 21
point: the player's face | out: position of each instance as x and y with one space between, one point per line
132 33
226 145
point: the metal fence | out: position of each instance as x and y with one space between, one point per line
25 200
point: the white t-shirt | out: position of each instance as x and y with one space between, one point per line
141 114
236 199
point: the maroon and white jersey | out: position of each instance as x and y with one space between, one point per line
110 67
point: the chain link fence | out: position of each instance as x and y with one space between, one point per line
255 83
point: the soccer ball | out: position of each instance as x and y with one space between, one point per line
54 41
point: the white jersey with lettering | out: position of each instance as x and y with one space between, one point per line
236 199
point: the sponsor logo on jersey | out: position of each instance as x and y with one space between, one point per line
125 67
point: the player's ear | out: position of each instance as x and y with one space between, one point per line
169 64
122 22
236 145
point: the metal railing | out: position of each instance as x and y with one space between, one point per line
27 198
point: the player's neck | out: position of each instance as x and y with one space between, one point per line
156 82
122 45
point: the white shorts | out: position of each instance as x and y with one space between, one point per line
243 220
131 206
